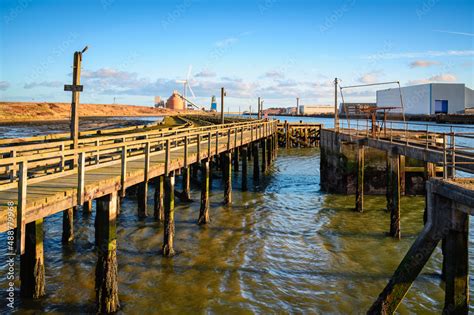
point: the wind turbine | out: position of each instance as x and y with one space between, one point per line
187 86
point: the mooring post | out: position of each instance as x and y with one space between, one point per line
360 178
393 193
186 184
256 168
106 273
264 157
456 265
204 210
158 206
168 235
244 168
32 262
68 225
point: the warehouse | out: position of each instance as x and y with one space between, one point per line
430 98
316 109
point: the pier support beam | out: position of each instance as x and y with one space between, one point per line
158 207
32 262
236 159
168 236
244 169
393 193
269 151
360 179
106 273
256 169
68 226
402 175
186 195
264 157
142 198
204 210
227 177
430 172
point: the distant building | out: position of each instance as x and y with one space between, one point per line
175 102
213 104
159 102
355 108
316 109
430 98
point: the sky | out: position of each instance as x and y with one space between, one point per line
275 49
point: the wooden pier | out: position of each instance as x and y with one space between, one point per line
42 176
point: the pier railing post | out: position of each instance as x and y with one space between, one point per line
204 209
123 173
32 275
142 193
21 206
168 235
106 274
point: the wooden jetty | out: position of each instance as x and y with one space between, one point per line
44 176
449 199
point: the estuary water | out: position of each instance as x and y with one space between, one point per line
282 247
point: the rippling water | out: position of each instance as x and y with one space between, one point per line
283 247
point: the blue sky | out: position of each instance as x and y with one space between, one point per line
270 48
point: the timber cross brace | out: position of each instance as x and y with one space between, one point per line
449 205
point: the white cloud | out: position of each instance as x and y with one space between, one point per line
4 85
226 42
430 53
444 77
47 84
423 63
108 73
455 33
274 74
370 77
205 74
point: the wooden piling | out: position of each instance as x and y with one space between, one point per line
68 226
264 157
269 151
158 208
393 193
227 177
402 175
204 210
360 178
244 168
32 276
142 198
256 169
168 235
236 159
87 206
106 273
186 195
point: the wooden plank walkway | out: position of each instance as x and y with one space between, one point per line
52 193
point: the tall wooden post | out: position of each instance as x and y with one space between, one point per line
142 198
227 177
264 157
336 110
269 151
68 225
360 179
204 210
168 236
106 273
430 171
158 209
256 168
259 113
402 175
236 159
222 105
32 262
186 196
244 168
393 193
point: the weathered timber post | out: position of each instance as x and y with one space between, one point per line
106 272
402 175
32 262
68 225
456 265
158 207
269 151
168 235
430 172
360 178
393 193
244 169
195 170
87 206
227 177
256 169
264 157
186 196
204 210
236 159
142 197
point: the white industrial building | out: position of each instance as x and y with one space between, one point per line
430 98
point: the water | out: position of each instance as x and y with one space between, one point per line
282 247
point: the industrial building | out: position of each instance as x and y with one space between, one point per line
430 98
355 108
316 109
